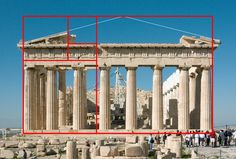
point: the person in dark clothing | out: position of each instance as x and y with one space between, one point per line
24 154
226 138
164 138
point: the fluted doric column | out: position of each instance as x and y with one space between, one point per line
62 98
78 99
131 103
183 107
157 99
42 81
85 99
192 99
104 112
206 115
28 99
52 111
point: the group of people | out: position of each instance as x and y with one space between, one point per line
199 138
213 139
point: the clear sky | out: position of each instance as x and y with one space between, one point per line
119 30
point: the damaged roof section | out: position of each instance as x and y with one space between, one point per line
189 41
60 40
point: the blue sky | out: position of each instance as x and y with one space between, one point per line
120 30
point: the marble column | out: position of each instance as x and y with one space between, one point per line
157 100
28 99
37 112
104 112
192 99
42 84
62 98
78 99
183 107
71 151
206 115
85 98
51 113
131 101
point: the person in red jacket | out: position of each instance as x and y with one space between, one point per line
213 138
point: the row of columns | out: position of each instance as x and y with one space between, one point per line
45 104
186 100
52 114
193 99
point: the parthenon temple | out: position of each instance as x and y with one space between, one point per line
183 101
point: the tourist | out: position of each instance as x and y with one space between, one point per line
158 139
221 137
196 140
87 143
207 138
229 134
213 139
202 139
187 140
150 142
234 137
191 139
164 137
226 138
24 154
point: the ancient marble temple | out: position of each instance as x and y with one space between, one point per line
182 102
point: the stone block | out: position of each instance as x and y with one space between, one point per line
28 145
2 144
40 148
54 142
123 157
95 151
11 144
100 142
133 150
85 153
21 154
41 154
105 151
6 154
131 139
50 152
101 157
114 151
42 142
144 146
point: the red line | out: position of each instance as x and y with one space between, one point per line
60 16
125 133
121 16
58 133
212 72
59 60
96 74
68 36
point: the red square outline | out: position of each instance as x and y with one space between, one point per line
114 16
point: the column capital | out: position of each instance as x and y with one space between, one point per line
131 68
62 69
158 67
105 68
205 67
77 68
50 67
184 67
